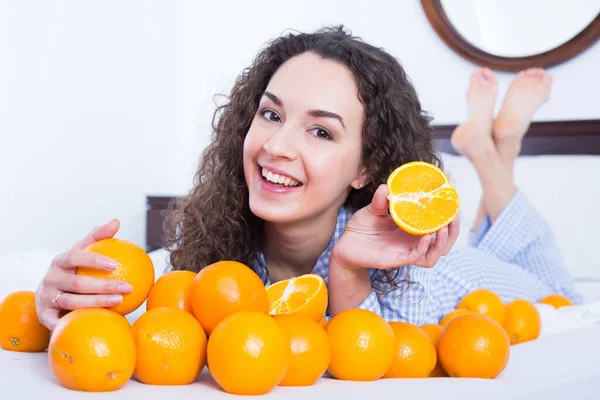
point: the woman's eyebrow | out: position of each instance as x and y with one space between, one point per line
327 114
274 98
312 113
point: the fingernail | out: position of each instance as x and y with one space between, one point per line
112 264
124 288
114 300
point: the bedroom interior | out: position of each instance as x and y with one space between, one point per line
156 144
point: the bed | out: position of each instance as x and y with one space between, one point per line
559 170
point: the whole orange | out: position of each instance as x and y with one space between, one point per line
135 267
310 350
172 290
454 313
557 301
484 302
20 328
171 347
248 354
522 322
414 356
474 346
224 288
362 345
92 350
434 331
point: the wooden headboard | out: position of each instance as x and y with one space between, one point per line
551 137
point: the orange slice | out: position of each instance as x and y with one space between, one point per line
422 200
304 295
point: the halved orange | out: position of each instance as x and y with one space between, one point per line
422 200
304 295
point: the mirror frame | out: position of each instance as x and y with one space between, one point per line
441 24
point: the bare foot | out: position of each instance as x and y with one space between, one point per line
475 136
527 92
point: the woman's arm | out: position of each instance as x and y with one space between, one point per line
372 240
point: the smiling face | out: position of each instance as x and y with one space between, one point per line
306 136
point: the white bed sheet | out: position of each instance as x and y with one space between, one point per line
558 366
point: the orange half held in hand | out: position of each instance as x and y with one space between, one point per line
305 295
422 200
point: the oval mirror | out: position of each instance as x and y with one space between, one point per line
511 35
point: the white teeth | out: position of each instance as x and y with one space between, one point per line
280 179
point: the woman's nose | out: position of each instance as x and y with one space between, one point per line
282 143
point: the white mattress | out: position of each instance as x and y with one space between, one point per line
556 366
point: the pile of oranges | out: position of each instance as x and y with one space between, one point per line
253 338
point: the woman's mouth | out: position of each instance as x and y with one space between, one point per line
271 181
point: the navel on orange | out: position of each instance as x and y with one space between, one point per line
421 198
557 301
20 328
172 290
522 321
304 295
362 345
92 350
248 354
310 350
484 302
135 267
414 354
224 288
171 347
474 346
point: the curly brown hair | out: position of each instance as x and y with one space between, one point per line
214 222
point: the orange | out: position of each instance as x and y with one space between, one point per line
20 328
322 322
474 346
557 301
171 347
305 295
422 200
310 350
172 290
414 356
362 345
448 317
224 288
522 321
434 331
135 267
248 354
92 350
484 302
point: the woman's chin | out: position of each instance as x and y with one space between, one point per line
271 212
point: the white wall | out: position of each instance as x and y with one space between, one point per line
88 116
104 102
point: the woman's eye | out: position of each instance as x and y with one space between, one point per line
271 116
321 133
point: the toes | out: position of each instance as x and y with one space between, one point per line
476 75
488 74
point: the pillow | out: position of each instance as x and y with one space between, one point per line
564 189
24 271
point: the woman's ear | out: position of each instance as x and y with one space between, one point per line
361 180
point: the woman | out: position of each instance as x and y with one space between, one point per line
293 183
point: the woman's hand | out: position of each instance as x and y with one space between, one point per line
62 289
373 240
